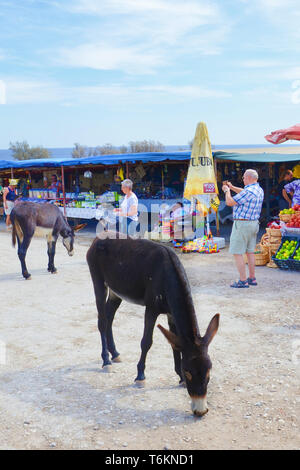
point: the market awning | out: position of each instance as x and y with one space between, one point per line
258 157
154 157
98 160
4 164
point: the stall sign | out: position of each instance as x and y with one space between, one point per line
209 188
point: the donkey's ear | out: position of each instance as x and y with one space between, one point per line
211 329
171 337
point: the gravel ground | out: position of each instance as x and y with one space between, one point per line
54 395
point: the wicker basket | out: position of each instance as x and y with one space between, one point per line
262 248
273 248
271 264
285 217
261 257
274 232
265 239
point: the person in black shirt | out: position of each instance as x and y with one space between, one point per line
283 202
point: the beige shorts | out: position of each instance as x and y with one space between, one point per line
10 206
243 236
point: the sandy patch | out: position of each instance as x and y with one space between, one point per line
53 393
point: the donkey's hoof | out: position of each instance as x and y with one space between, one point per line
27 277
52 270
107 369
140 383
117 359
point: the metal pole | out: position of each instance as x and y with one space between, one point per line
217 212
268 191
218 223
64 192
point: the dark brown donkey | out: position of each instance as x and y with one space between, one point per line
29 219
146 273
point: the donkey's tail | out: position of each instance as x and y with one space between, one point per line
13 235
16 232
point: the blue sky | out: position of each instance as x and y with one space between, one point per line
98 71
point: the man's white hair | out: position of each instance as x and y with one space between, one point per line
128 183
252 173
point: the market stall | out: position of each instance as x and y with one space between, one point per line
270 167
88 183
279 246
158 178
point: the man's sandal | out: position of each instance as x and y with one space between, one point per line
240 284
252 281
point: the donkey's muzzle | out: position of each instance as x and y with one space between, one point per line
199 406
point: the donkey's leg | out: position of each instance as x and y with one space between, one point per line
146 343
112 304
101 294
176 354
51 241
22 250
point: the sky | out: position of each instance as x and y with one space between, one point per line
113 71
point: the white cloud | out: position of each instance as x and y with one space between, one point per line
34 92
190 8
28 92
2 92
292 73
142 35
186 92
2 55
284 14
102 56
263 63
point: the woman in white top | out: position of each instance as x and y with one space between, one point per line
128 211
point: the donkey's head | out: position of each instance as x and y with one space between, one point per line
68 239
195 363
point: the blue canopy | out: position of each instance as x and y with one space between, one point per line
4 164
143 157
98 160
258 157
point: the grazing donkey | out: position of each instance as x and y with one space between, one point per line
29 219
146 273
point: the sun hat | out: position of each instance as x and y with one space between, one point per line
13 182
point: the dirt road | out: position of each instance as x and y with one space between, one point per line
53 393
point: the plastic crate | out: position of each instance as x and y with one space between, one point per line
295 265
286 263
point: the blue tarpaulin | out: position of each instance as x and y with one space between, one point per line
4 164
258 157
144 158
98 160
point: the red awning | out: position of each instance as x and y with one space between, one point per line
282 135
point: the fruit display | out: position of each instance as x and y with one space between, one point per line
297 254
274 225
295 221
289 211
287 256
296 207
287 249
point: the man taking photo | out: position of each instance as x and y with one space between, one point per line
247 205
